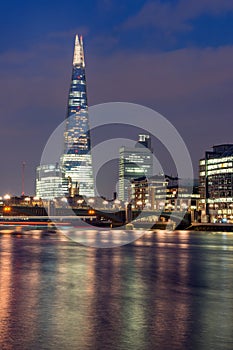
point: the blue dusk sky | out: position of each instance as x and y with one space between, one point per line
175 56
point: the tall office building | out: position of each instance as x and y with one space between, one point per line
216 184
134 163
50 182
76 159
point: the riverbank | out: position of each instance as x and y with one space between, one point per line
211 227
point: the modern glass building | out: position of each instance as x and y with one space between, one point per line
76 159
50 182
134 163
216 184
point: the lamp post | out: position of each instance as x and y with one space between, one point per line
117 203
80 202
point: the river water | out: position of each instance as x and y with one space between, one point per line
167 290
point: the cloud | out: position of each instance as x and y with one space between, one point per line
34 89
69 34
106 5
104 43
164 75
14 57
175 16
192 87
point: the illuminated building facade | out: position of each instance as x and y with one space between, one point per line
77 160
216 184
149 192
161 192
133 163
50 182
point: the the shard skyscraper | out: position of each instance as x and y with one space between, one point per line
76 159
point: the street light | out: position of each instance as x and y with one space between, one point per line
161 205
116 204
105 203
80 201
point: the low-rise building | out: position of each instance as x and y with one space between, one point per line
161 192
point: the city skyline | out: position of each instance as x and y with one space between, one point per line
116 191
184 69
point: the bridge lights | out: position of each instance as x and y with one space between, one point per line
91 212
7 209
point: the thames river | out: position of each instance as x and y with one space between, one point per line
167 290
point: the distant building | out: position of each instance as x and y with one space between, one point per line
162 192
50 182
216 184
76 159
149 192
134 162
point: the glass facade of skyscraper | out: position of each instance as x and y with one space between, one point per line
50 182
134 163
77 160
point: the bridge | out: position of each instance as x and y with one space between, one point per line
99 216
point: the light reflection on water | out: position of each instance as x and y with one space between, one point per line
165 291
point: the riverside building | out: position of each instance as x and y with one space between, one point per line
216 184
133 163
162 192
50 182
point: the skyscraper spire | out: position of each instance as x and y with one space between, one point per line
76 159
75 168
78 59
